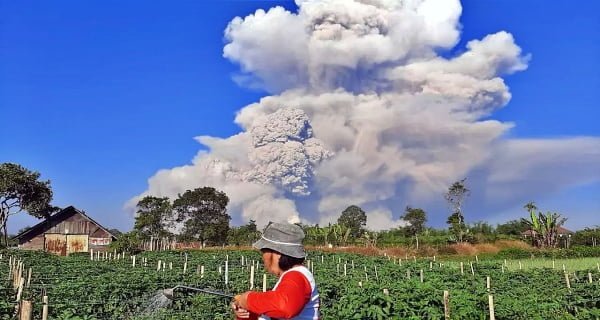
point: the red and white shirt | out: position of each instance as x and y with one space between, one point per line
295 296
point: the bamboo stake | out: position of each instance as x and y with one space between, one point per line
45 308
201 271
226 272
462 268
20 290
491 304
446 305
421 275
488 283
472 270
590 277
28 277
251 277
25 313
567 280
264 282
185 264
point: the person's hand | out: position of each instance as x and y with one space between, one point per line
240 313
242 299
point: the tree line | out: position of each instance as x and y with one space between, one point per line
201 215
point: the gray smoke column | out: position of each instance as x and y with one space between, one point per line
365 111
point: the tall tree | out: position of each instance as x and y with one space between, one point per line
153 217
203 212
456 195
416 217
355 219
21 190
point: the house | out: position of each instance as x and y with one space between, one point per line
67 231
561 232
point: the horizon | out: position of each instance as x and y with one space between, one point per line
112 104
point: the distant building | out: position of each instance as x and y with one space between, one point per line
67 231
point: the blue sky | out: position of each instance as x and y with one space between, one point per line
99 95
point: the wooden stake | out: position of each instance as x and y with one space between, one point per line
488 283
45 308
590 277
25 313
446 305
386 292
201 271
472 270
491 304
462 268
421 275
567 280
345 274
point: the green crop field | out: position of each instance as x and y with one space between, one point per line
351 286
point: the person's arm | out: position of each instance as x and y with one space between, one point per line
287 301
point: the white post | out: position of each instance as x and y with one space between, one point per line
491 303
226 272
264 282
251 277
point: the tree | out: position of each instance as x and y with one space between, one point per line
203 212
355 219
456 195
544 227
153 217
115 232
243 235
416 218
21 190
512 228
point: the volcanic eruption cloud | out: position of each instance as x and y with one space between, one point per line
365 110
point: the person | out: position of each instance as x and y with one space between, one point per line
295 295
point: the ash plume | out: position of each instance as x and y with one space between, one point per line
365 110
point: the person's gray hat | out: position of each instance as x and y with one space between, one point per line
284 238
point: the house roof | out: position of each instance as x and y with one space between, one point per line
61 215
561 230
